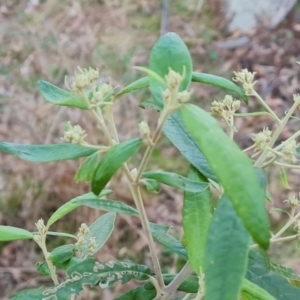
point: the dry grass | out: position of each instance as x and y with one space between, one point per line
49 39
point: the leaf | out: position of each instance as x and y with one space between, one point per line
91 272
9 233
152 75
45 153
42 268
112 162
161 235
151 185
179 136
196 215
252 291
101 230
86 170
139 84
148 292
150 103
58 96
283 178
70 206
259 272
279 210
60 255
225 261
32 294
219 82
284 271
108 205
169 52
177 181
233 169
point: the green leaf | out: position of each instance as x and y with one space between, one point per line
32 294
45 153
70 206
108 205
219 82
179 136
196 215
148 292
42 268
60 255
150 103
151 185
152 75
279 210
259 272
177 181
233 169
112 162
101 230
285 272
9 233
225 261
161 235
283 178
86 170
252 291
91 272
169 52
139 84
58 96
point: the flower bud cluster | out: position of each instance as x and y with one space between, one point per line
172 98
103 94
42 232
246 78
262 139
293 201
145 133
91 246
83 79
288 152
226 108
81 235
74 134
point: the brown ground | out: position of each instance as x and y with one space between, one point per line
47 40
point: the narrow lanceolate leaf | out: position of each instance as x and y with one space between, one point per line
86 170
9 233
176 131
151 185
71 205
91 272
108 205
283 178
32 294
285 272
260 273
58 96
169 52
177 181
251 291
233 169
219 82
225 261
139 84
161 235
112 162
196 216
45 153
101 230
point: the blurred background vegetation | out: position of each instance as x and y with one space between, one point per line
48 39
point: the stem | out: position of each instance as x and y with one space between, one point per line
164 115
253 114
249 148
276 135
283 239
287 165
295 135
177 281
231 133
266 106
